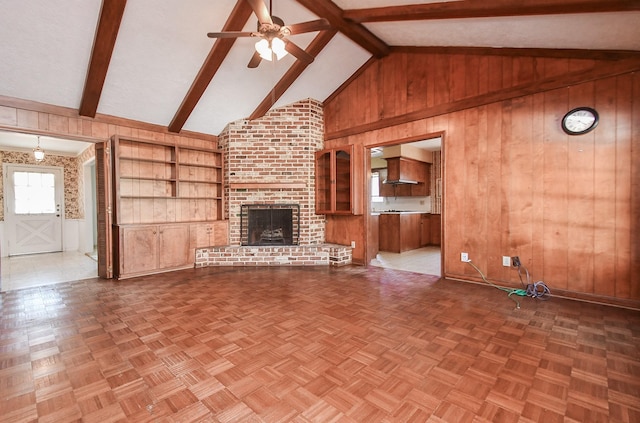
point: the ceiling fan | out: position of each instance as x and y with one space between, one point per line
273 35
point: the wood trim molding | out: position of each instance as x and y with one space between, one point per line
71 137
106 35
559 293
314 48
520 52
70 113
236 21
486 9
598 72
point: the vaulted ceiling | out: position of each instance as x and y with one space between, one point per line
151 60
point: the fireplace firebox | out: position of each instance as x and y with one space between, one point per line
269 224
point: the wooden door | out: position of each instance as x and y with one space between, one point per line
34 196
425 226
324 182
173 246
104 200
221 233
138 249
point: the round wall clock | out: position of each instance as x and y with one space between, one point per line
580 121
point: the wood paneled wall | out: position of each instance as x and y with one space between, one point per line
514 182
43 119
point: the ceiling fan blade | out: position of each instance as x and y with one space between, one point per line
255 60
230 34
261 11
311 26
296 51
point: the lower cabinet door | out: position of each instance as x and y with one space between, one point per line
221 232
147 249
138 249
173 242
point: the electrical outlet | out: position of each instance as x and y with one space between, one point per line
353 244
506 261
464 256
516 261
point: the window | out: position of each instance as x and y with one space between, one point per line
34 192
375 188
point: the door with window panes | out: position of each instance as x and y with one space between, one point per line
33 208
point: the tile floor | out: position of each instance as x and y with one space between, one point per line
423 260
32 270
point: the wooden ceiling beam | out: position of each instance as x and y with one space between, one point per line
315 47
236 21
103 45
356 32
486 9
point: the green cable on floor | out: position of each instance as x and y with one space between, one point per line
510 291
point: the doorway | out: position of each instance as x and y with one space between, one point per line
425 253
34 196
46 252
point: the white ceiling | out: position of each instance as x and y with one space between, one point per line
15 141
45 48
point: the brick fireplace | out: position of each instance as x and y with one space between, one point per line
271 161
269 224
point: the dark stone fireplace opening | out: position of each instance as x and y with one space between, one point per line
269 224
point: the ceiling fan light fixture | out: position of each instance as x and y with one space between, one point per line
38 153
264 49
278 47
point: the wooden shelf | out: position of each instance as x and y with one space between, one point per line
148 178
148 170
161 189
337 190
198 181
145 160
200 165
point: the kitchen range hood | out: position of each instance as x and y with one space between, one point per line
399 182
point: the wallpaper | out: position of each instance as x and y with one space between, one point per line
73 172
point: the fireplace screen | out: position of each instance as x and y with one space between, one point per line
269 224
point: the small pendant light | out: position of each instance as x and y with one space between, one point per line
38 153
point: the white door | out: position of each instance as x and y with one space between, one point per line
34 208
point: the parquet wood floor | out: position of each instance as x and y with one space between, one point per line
311 345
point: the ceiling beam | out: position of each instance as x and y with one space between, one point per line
236 21
106 35
315 47
486 9
356 32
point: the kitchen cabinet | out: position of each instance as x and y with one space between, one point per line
144 249
430 229
399 232
425 230
339 181
404 169
436 223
